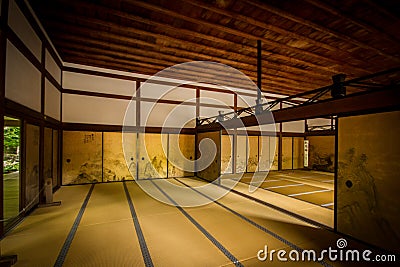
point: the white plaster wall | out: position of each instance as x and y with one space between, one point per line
52 67
24 30
23 80
93 83
52 101
95 110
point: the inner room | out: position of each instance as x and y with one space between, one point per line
199 133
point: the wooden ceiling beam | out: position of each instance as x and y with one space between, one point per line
349 17
322 29
248 36
164 61
246 69
352 104
271 58
271 27
104 61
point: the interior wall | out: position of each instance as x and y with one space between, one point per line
298 152
226 153
31 165
287 157
82 157
152 156
24 89
177 165
115 167
213 171
367 181
252 163
94 110
321 153
241 154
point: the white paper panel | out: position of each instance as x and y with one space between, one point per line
293 127
319 122
22 79
206 112
216 98
241 154
52 101
96 110
167 115
52 67
92 83
24 30
156 91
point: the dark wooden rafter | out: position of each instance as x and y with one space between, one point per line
89 25
371 28
101 60
168 60
318 27
146 36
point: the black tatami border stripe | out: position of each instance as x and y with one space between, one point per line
258 226
142 242
64 250
202 229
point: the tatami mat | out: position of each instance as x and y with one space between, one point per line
203 236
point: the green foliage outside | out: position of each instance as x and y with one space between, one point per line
11 149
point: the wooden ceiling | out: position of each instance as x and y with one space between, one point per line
304 42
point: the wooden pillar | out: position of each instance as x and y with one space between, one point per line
280 144
41 132
3 48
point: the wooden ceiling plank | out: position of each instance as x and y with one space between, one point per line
246 69
318 27
126 65
316 69
339 13
245 35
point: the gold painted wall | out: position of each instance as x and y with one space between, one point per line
226 153
368 178
48 153
298 152
32 165
55 158
287 153
186 146
213 171
241 154
321 153
265 153
82 157
252 163
115 168
152 158
274 141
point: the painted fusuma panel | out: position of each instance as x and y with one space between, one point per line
32 165
241 154
321 153
226 153
213 171
298 152
82 157
152 156
176 163
287 153
368 178
115 168
252 163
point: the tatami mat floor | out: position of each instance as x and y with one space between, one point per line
97 225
